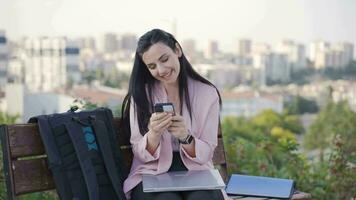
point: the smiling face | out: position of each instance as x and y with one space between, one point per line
163 63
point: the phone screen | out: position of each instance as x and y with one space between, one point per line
164 107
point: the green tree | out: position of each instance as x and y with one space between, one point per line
8 119
293 123
89 77
266 120
300 105
335 118
263 146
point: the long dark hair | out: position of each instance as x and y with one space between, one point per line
142 78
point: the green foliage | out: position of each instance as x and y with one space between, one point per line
293 123
48 195
89 77
300 105
269 119
301 77
8 119
335 118
111 78
266 120
262 146
116 79
282 133
265 146
342 171
83 105
344 73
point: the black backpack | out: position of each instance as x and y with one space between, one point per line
83 154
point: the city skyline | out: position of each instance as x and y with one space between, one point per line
259 20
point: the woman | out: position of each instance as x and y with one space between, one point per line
164 142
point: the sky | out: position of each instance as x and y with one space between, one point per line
223 20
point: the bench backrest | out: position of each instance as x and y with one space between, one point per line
25 162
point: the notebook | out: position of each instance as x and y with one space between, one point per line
259 186
183 181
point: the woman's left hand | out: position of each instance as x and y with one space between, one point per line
178 128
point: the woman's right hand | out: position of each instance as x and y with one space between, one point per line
159 122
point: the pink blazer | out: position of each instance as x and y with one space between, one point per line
204 103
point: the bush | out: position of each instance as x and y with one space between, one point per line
264 147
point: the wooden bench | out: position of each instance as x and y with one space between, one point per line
25 162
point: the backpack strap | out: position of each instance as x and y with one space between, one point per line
103 139
115 139
49 143
80 147
53 156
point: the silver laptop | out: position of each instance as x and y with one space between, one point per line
183 181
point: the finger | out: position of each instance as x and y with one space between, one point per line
164 123
178 118
178 124
174 126
167 125
172 129
157 125
164 119
175 129
158 116
159 120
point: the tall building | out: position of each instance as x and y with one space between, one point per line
347 50
244 47
325 55
316 48
212 49
189 47
72 61
88 43
4 58
295 54
318 51
16 72
110 43
48 61
273 67
128 42
260 48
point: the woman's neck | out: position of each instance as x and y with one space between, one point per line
171 88
172 92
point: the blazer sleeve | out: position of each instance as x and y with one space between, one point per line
138 141
206 137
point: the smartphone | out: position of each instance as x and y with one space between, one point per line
164 107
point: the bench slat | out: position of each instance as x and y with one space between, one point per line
32 176
24 140
40 178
